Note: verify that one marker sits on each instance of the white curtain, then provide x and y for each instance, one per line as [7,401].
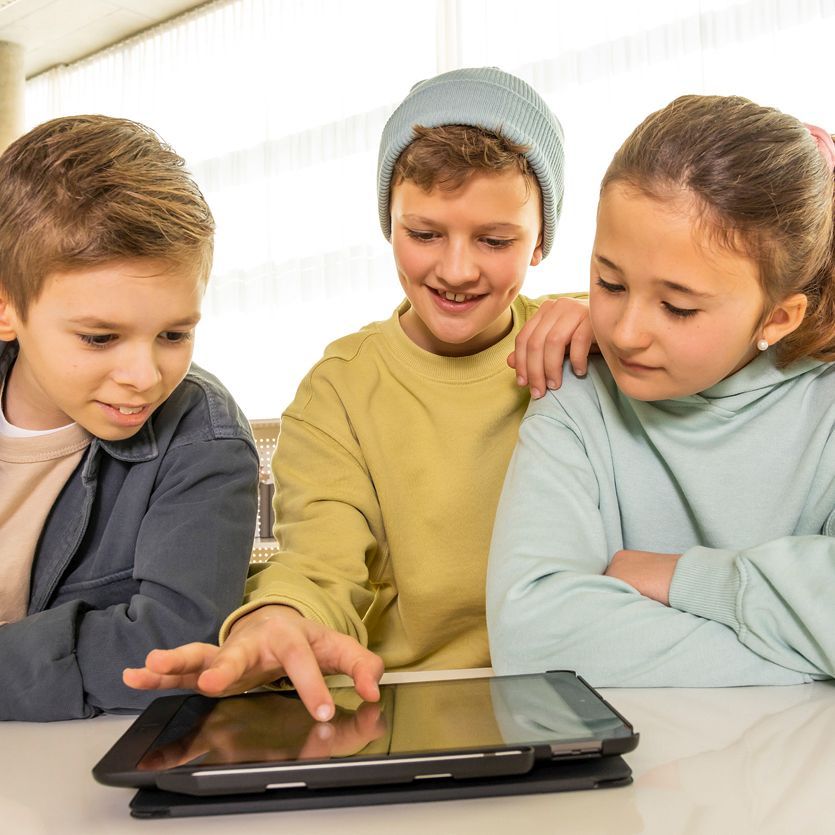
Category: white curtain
[277,106]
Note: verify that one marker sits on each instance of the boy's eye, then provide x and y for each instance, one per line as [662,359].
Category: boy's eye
[97,340]
[681,312]
[498,243]
[176,337]
[609,288]
[421,236]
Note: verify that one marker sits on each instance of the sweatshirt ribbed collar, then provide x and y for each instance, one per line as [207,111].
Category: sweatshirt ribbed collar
[469,369]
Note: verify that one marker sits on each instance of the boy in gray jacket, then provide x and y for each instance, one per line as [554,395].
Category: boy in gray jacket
[127,477]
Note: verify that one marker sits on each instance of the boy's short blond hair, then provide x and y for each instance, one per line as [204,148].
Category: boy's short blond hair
[81,191]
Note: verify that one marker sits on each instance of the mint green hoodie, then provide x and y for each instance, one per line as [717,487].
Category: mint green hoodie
[740,479]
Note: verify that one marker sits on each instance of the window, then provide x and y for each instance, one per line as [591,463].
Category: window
[277,106]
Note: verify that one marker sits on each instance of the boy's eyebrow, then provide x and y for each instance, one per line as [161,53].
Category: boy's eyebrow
[410,218]
[500,225]
[103,325]
[665,282]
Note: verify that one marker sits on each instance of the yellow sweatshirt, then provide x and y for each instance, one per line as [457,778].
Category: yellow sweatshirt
[387,473]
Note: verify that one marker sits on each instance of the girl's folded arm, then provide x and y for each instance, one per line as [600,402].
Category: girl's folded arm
[550,607]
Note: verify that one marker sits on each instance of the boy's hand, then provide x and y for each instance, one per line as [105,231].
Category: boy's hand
[541,344]
[264,645]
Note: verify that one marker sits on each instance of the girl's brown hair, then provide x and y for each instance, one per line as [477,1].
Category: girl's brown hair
[761,188]
[80,191]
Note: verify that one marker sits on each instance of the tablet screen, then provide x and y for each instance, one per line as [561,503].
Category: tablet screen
[412,718]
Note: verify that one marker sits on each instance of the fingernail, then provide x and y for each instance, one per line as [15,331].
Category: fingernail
[551,384]
[324,712]
[536,394]
[324,731]
[580,372]
[520,380]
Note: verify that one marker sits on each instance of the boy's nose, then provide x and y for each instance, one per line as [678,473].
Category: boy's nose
[457,266]
[138,369]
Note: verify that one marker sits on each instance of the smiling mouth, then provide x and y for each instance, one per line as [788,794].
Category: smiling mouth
[126,410]
[456,297]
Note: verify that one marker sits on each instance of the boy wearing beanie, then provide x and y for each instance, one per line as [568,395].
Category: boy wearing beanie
[392,455]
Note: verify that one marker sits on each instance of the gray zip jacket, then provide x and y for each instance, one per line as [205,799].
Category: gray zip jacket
[146,546]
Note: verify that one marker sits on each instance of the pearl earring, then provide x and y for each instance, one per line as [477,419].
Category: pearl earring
[762,344]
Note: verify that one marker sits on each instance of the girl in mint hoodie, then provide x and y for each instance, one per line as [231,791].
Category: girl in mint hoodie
[669,518]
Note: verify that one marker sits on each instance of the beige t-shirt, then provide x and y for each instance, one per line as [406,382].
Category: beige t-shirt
[34,467]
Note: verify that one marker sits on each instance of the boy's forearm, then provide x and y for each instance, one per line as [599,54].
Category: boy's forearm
[40,680]
[191,559]
[191,556]
[326,509]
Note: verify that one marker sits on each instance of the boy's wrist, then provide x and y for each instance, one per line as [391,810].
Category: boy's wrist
[264,613]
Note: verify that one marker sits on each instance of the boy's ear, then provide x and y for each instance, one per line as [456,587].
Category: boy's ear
[8,321]
[537,253]
[785,318]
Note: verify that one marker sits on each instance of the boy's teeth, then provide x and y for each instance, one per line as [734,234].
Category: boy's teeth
[127,410]
[457,297]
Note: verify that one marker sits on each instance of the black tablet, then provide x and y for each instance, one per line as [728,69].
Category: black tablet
[573,775]
[436,730]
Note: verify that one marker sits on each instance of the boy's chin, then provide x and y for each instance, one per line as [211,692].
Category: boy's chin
[105,432]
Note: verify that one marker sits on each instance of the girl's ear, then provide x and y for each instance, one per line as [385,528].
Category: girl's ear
[8,321]
[785,318]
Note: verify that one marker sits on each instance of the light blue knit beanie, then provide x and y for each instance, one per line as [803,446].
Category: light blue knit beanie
[487,98]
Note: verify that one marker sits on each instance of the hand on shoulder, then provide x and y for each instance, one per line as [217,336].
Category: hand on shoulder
[559,325]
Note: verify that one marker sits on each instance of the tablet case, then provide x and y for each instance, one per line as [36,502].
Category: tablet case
[597,773]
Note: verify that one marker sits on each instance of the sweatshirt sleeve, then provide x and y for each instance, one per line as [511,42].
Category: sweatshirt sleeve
[328,520]
[775,596]
[549,605]
[190,562]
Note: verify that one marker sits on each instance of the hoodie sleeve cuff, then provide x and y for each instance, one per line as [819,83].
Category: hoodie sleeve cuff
[706,583]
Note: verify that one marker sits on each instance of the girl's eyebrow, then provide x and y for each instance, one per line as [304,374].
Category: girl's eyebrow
[665,282]
[682,288]
[607,263]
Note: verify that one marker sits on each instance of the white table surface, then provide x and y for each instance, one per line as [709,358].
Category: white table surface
[740,760]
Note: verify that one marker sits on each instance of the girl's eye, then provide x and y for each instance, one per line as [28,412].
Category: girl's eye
[176,337]
[416,235]
[97,340]
[680,312]
[609,288]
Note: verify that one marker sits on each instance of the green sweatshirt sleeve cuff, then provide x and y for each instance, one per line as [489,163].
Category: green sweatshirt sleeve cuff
[265,600]
[706,583]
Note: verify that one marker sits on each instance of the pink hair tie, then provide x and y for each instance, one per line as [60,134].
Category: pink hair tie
[825,144]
